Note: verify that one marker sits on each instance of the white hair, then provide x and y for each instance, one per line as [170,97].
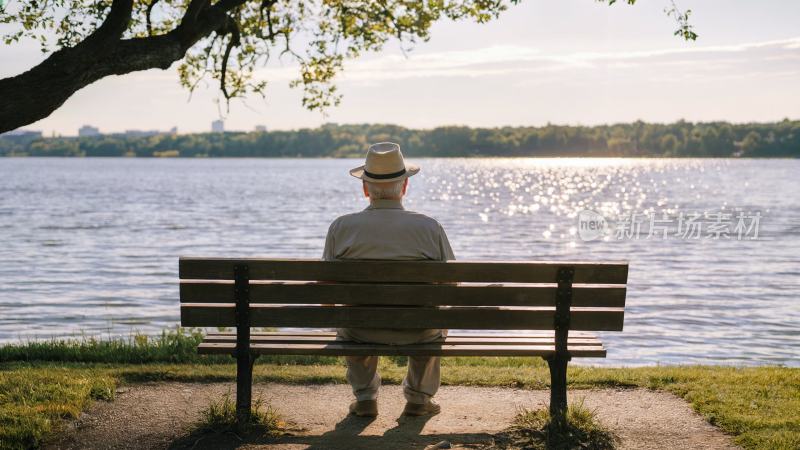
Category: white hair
[390,190]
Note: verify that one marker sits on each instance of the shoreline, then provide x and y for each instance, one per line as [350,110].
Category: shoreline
[137,347]
[159,347]
[679,138]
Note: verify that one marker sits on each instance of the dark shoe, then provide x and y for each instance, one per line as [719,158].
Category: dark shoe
[364,408]
[422,409]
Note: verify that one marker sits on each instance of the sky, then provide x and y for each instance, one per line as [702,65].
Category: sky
[543,61]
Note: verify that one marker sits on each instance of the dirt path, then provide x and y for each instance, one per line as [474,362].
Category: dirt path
[159,415]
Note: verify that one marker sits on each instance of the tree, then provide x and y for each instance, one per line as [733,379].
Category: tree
[751,144]
[783,140]
[669,144]
[221,40]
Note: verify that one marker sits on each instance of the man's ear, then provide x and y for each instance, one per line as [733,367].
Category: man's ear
[366,191]
[405,186]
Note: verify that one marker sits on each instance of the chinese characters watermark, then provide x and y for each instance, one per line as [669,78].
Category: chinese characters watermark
[738,225]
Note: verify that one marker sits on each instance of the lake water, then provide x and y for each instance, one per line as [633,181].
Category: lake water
[90,246]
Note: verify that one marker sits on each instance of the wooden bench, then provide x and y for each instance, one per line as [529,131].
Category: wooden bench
[458,295]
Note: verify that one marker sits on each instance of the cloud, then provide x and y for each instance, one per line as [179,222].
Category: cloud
[510,60]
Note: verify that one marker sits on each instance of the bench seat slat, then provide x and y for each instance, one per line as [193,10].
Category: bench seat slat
[447,340]
[486,318]
[357,349]
[451,333]
[403,271]
[473,294]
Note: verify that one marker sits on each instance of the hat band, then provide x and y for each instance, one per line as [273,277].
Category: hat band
[384,176]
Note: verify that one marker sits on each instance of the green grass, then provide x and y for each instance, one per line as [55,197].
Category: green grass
[220,416]
[171,346]
[33,401]
[219,419]
[43,383]
[534,429]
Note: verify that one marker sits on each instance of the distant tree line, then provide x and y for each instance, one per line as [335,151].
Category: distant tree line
[679,139]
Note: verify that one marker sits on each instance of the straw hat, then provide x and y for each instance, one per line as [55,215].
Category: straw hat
[384,164]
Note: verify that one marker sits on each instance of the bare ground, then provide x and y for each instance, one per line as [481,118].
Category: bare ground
[162,415]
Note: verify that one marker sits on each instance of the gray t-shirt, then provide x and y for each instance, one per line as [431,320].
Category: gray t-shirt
[385,230]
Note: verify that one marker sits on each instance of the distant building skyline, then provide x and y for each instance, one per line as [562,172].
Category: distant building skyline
[88,130]
[218,126]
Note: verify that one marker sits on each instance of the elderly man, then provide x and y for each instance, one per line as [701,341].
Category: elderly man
[385,230]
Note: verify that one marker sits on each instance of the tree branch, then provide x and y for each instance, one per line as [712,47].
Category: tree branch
[231,28]
[117,21]
[227,5]
[193,12]
[266,5]
[147,16]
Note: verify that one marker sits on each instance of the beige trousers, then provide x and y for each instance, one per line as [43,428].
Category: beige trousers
[422,379]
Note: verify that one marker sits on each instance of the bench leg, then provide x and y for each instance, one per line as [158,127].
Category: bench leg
[244,388]
[558,388]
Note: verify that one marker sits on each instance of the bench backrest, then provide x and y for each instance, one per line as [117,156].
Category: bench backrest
[527,295]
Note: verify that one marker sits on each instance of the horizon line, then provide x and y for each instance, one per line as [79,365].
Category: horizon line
[145,133]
